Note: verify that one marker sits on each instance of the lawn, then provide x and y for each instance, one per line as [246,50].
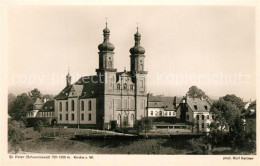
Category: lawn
[65,143]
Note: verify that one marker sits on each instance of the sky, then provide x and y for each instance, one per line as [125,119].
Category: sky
[212,47]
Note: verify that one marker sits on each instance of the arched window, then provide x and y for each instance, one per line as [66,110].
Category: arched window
[89,105]
[118,86]
[82,105]
[125,86]
[72,105]
[67,106]
[60,106]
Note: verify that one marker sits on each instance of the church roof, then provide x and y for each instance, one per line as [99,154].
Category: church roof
[64,93]
[85,87]
[91,86]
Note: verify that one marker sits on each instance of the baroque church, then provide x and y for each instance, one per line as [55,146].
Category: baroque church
[109,96]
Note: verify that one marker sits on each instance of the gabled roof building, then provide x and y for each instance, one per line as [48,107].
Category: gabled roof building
[195,111]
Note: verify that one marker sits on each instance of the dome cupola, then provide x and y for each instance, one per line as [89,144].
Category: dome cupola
[137,49]
[106,45]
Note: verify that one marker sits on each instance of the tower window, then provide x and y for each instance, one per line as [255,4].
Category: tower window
[141,66]
[109,64]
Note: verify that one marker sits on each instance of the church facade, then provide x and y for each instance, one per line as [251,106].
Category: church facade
[109,96]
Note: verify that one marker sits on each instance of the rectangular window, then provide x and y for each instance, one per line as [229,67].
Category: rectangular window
[206,107]
[151,112]
[195,106]
[207,116]
[67,117]
[202,117]
[60,116]
[82,116]
[72,116]
[89,117]
[202,125]
[198,117]
[170,114]
[207,125]
[67,106]
[187,117]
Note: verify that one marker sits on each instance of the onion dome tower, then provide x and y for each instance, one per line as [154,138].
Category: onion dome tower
[137,55]
[106,54]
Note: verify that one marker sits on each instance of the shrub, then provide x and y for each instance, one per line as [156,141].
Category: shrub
[197,146]
[15,134]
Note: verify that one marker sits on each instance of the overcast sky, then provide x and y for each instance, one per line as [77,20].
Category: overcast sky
[210,47]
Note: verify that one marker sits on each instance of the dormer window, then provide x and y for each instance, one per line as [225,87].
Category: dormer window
[206,107]
[195,106]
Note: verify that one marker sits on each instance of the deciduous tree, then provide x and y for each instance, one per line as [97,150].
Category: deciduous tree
[20,107]
[195,92]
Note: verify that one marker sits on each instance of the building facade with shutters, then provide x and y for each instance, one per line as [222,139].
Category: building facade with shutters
[109,96]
